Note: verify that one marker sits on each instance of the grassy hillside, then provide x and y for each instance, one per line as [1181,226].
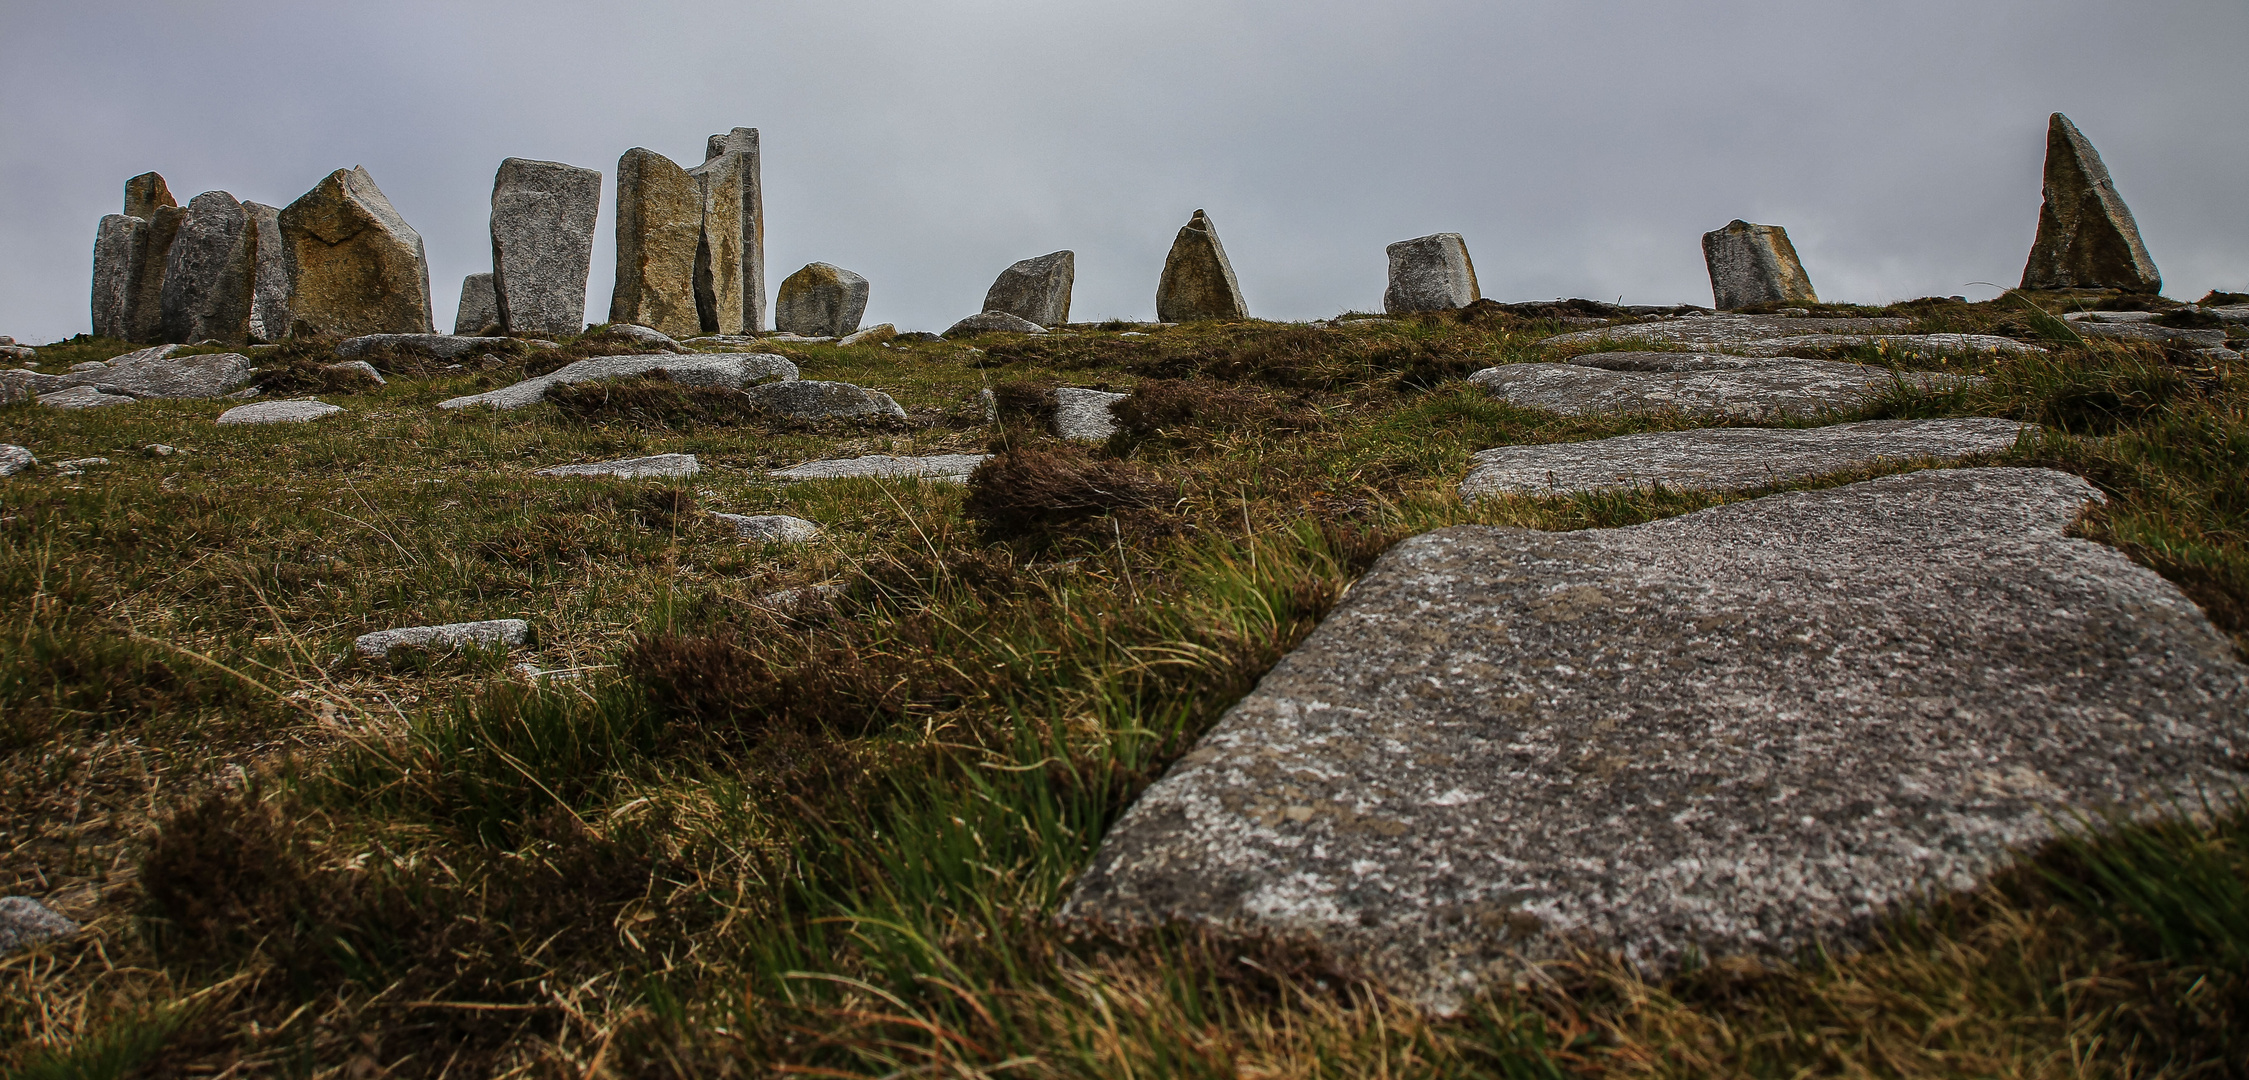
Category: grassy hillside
[751,827]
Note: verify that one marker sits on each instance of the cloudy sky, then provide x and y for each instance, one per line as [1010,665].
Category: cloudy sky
[1581,146]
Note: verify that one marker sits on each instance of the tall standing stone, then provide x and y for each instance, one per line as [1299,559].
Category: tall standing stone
[1036,289]
[355,266]
[542,244]
[2086,236]
[821,301]
[1198,282]
[117,252]
[479,312]
[1430,273]
[659,229]
[730,278]
[1754,264]
[210,273]
[144,304]
[145,193]
[269,294]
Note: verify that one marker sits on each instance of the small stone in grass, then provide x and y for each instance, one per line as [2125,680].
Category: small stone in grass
[658,465]
[24,921]
[771,528]
[15,459]
[488,633]
[279,412]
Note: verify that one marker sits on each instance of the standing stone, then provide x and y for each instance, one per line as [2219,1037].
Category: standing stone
[659,230]
[1198,282]
[117,252]
[144,304]
[1430,273]
[730,263]
[479,312]
[2086,236]
[269,292]
[210,273]
[1036,289]
[144,194]
[1754,264]
[355,266]
[821,301]
[542,245]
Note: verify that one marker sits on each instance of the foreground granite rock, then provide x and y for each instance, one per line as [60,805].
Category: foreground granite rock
[1745,730]
[24,921]
[355,266]
[489,633]
[1198,280]
[1036,290]
[479,310]
[945,468]
[2086,236]
[144,373]
[1699,384]
[820,300]
[1720,459]
[1754,264]
[719,369]
[812,399]
[640,468]
[1430,273]
[542,244]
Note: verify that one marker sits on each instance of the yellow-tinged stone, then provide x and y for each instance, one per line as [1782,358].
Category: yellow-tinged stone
[355,266]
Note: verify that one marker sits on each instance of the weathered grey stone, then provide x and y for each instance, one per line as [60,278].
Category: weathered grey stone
[157,449]
[659,230]
[83,397]
[15,459]
[644,335]
[993,322]
[639,468]
[873,335]
[269,284]
[1036,290]
[1924,346]
[78,466]
[156,374]
[117,250]
[1754,264]
[2142,331]
[294,411]
[1697,384]
[88,365]
[1719,459]
[771,528]
[355,266]
[1726,333]
[542,244]
[489,633]
[141,356]
[707,369]
[811,399]
[360,367]
[943,468]
[479,311]
[1748,729]
[210,273]
[821,301]
[1085,414]
[1430,273]
[439,346]
[2086,236]
[1198,281]
[730,280]
[145,194]
[144,303]
[24,921]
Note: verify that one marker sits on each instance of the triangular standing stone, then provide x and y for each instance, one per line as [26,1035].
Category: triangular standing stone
[1198,282]
[2086,236]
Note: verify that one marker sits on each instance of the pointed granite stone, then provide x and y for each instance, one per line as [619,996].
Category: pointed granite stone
[659,229]
[1037,290]
[210,273]
[730,273]
[1430,273]
[355,266]
[1198,282]
[479,312]
[269,291]
[144,194]
[821,301]
[2086,236]
[542,245]
[117,252]
[1754,264]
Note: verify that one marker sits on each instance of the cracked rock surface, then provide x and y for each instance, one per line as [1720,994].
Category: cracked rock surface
[1698,384]
[1727,458]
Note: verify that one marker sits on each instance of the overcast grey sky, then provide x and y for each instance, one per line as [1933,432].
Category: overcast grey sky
[1581,147]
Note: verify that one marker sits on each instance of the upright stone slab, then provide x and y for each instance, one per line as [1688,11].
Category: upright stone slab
[542,245]
[210,273]
[659,231]
[144,194]
[1754,264]
[144,304]
[1430,273]
[479,312]
[2086,236]
[117,252]
[1754,728]
[821,301]
[1037,290]
[355,266]
[730,269]
[269,293]
[1198,282]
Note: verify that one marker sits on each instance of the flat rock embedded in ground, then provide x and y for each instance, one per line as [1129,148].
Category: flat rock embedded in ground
[811,399]
[1728,458]
[1721,333]
[15,459]
[771,528]
[949,468]
[83,397]
[24,921]
[720,369]
[1748,729]
[1698,384]
[438,346]
[1085,414]
[488,633]
[659,465]
[294,411]
[993,322]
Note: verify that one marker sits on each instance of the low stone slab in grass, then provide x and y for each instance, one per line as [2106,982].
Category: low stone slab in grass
[948,468]
[488,633]
[1719,332]
[639,468]
[296,411]
[1747,729]
[83,397]
[771,528]
[723,369]
[438,346]
[1085,414]
[811,399]
[15,459]
[1719,459]
[24,921]
[1698,384]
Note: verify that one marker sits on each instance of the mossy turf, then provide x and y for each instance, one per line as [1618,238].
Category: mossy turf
[810,810]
